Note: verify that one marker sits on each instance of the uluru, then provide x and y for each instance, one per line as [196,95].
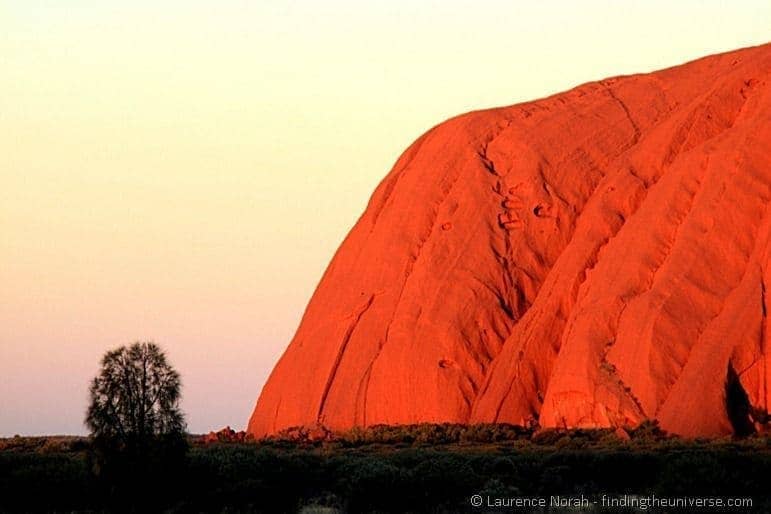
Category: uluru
[594,259]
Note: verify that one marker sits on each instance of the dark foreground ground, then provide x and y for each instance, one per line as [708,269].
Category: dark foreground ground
[427,468]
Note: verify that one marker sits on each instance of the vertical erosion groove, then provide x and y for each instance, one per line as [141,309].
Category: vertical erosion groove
[339,357]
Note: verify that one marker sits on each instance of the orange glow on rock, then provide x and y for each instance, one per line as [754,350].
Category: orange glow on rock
[607,263]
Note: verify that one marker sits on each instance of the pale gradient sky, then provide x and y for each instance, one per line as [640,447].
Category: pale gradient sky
[183,171]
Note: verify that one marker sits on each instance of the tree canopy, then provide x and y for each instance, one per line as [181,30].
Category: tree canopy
[136,395]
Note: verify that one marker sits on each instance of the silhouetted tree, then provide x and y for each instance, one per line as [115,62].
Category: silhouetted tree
[137,427]
[136,395]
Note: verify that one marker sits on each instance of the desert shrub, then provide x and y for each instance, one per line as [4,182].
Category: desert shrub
[282,477]
[648,432]
[38,482]
[547,437]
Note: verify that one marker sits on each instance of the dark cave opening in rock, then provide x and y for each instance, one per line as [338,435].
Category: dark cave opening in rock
[737,405]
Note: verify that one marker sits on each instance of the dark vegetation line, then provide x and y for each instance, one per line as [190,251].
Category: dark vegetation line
[417,468]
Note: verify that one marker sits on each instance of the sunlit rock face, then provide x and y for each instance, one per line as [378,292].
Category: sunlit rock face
[593,259]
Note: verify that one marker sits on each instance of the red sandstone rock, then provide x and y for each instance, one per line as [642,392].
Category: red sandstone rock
[622,434]
[593,259]
[226,435]
[311,432]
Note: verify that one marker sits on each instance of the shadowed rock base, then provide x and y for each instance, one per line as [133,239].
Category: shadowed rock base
[593,259]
